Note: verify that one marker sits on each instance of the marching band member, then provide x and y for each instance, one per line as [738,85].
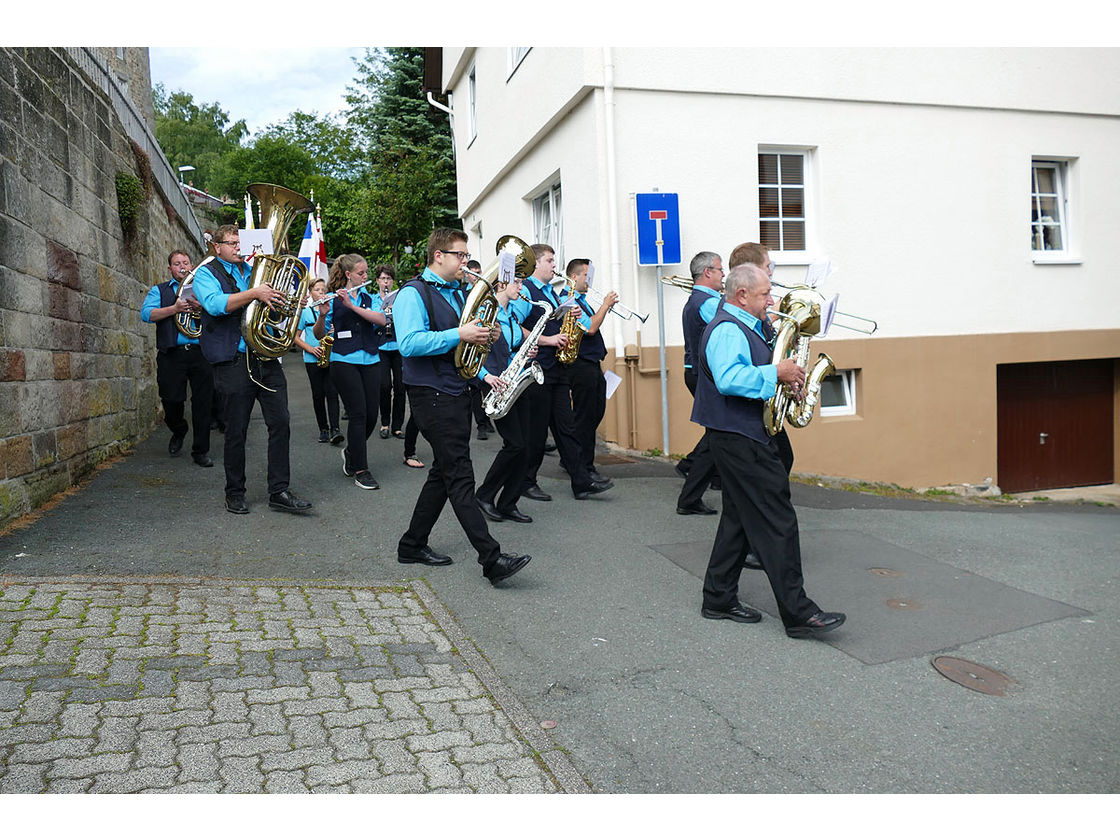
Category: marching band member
[485,427]
[550,404]
[179,361]
[735,377]
[392,386]
[427,312]
[324,396]
[222,287]
[504,478]
[589,388]
[706,269]
[355,368]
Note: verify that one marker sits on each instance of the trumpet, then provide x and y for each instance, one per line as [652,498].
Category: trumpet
[596,298]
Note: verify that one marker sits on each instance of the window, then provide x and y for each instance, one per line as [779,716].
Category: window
[472,88]
[548,224]
[782,179]
[1049,208]
[515,55]
[838,394]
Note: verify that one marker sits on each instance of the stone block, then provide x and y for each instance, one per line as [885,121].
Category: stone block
[62,266]
[22,249]
[13,366]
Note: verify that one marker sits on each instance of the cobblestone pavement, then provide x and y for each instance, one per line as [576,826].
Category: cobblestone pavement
[207,686]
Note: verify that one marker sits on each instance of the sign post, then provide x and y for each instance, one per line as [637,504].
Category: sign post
[659,243]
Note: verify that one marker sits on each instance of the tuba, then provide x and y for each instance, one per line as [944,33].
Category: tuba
[270,331]
[521,371]
[800,314]
[481,304]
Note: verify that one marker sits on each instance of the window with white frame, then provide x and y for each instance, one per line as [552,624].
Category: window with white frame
[548,226]
[515,56]
[838,394]
[1049,206]
[782,187]
[472,89]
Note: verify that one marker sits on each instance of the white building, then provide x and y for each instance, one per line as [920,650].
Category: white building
[968,199]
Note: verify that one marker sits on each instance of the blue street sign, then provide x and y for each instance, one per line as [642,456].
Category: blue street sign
[659,229]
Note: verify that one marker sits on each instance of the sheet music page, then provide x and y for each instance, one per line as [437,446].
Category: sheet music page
[507,267]
[260,238]
[828,314]
[613,381]
[590,274]
[817,272]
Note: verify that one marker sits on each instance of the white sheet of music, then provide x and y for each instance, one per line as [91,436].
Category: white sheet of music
[827,315]
[507,267]
[613,381]
[590,274]
[817,272]
[259,238]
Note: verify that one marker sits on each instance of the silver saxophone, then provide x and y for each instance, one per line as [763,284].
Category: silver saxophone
[520,371]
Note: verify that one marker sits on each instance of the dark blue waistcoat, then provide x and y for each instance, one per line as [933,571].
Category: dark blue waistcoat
[693,325]
[592,347]
[714,410]
[167,334]
[363,334]
[546,356]
[436,372]
[221,334]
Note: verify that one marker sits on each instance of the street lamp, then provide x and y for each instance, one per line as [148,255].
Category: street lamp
[182,169]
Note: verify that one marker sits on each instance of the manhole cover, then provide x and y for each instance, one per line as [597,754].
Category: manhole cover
[903,604]
[885,572]
[971,675]
[607,460]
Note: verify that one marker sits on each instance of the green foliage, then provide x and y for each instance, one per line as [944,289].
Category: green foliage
[195,135]
[130,199]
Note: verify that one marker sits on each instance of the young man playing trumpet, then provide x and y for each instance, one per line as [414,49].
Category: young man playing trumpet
[427,312]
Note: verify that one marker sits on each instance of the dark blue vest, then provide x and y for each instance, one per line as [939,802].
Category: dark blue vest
[693,324]
[714,410]
[221,334]
[436,372]
[546,356]
[363,334]
[167,334]
[592,347]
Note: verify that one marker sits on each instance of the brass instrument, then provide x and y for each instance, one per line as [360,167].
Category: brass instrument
[270,331]
[595,298]
[327,343]
[481,305]
[521,370]
[188,323]
[570,326]
[800,313]
[678,281]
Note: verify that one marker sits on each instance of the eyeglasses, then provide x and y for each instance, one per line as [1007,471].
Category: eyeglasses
[462,255]
[770,266]
[231,242]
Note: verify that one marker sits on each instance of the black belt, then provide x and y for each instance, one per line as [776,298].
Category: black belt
[179,347]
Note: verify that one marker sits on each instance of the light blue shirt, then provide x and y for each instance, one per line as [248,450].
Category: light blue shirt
[414,335]
[209,291]
[379,305]
[307,320]
[357,357]
[729,358]
[152,301]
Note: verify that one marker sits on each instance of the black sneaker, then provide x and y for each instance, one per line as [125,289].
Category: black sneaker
[346,465]
[337,437]
[324,436]
[366,481]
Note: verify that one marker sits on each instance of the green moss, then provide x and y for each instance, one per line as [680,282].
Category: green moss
[130,198]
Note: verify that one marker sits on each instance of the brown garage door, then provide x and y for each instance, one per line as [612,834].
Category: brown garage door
[1055,424]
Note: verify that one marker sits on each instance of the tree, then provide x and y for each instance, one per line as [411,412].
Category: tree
[195,135]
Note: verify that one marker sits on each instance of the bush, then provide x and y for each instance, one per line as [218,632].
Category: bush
[130,198]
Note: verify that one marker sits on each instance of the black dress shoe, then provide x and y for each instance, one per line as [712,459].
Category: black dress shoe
[597,477]
[699,508]
[236,504]
[425,556]
[715,483]
[516,516]
[490,511]
[384,433]
[752,561]
[175,445]
[483,434]
[288,503]
[535,492]
[507,565]
[737,612]
[681,471]
[324,436]
[821,622]
[594,489]
[202,459]
[549,448]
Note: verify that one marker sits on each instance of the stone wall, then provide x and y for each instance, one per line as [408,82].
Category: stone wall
[77,365]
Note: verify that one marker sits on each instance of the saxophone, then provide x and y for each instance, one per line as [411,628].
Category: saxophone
[571,327]
[800,312]
[520,370]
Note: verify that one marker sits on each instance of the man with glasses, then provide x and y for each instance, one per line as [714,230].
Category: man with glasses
[698,467]
[426,315]
[222,287]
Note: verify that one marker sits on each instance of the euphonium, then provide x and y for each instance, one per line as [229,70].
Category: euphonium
[571,327]
[270,331]
[520,372]
[800,313]
[481,305]
[187,323]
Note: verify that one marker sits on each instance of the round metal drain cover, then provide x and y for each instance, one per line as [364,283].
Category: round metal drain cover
[974,676]
[885,572]
[903,604]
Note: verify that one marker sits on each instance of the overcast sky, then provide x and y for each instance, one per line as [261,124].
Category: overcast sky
[265,85]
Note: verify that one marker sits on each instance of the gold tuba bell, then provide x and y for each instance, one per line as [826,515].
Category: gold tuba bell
[270,331]
[800,313]
[481,305]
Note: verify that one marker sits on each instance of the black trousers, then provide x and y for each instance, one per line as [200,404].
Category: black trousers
[411,431]
[503,483]
[756,502]
[324,396]
[175,368]
[392,390]
[359,388]
[480,418]
[240,392]
[589,405]
[445,422]
[550,407]
[699,463]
